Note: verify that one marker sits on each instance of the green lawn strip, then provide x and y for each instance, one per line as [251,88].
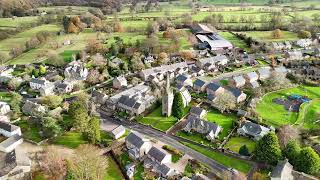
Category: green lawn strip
[113,171]
[225,121]
[124,159]
[275,114]
[29,131]
[70,140]
[235,143]
[225,160]
[312,115]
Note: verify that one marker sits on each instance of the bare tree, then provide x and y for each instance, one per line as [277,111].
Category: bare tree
[53,164]
[225,101]
[88,164]
[287,133]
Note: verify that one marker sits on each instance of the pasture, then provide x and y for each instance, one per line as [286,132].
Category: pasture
[265,36]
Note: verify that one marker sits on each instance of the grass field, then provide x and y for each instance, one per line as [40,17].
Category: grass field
[235,143]
[70,140]
[21,38]
[277,115]
[79,42]
[196,137]
[228,161]
[225,121]
[234,40]
[310,117]
[156,120]
[67,55]
[8,23]
[266,36]
[113,171]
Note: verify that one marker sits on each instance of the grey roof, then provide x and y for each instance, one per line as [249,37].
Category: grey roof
[196,110]
[252,128]
[135,139]
[199,83]
[211,97]
[11,140]
[236,92]
[118,129]
[157,153]
[7,162]
[239,79]
[253,75]
[163,169]
[213,86]
[205,126]
[282,170]
[38,81]
[182,78]
[264,71]
[8,127]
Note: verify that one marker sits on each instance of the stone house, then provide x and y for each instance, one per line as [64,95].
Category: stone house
[214,88]
[253,130]
[137,145]
[199,85]
[283,171]
[238,94]
[198,112]
[118,132]
[119,82]
[238,81]
[184,80]
[4,108]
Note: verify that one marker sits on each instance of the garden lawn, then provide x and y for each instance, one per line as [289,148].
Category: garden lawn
[225,121]
[266,36]
[234,40]
[5,96]
[225,160]
[196,137]
[29,131]
[124,159]
[275,114]
[139,169]
[113,171]
[235,143]
[70,140]
[156,120]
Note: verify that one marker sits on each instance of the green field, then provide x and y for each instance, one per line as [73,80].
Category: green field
[234,40]
[113,171]
[70,140]
[67,54]
[266,36]
[225,160]
[8,23]
[21,38]
[196,137]
[235,143]
[225,121]
[275,114]
[310,116]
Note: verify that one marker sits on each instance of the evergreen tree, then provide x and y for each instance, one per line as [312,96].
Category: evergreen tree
[93,131]
[177,106]
[268,149]
[244,150]
[79,114]
[308,161]
[292,151]
[50,127]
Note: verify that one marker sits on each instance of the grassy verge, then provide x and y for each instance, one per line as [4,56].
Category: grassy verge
[113,171]
[225,160]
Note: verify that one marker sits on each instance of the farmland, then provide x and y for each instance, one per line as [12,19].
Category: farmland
[266,36]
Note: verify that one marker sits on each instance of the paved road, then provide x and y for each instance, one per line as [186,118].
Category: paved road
[215,167]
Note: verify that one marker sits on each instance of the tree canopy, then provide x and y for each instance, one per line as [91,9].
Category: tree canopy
[268,149]
[177,106]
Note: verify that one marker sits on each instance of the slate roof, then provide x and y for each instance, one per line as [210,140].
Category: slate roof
[136,139]
[196,110]
[118,130]
[203,126]
[157,153]
[213,86]
[163,169]
[199,83]
[253,128]
[8,127]
[264,72]
[38,81]
[255,84]
[236,92]
[252,75]
[283,170]
[182,78]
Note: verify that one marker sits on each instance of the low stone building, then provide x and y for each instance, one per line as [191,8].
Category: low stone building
[253,130]
[283,171]
[137,145]
[119,82]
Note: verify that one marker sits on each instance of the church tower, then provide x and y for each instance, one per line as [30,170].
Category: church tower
[167,99]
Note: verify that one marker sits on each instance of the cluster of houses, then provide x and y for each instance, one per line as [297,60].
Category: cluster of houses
[305,69]
[154,157]
[14,163]
[74,72]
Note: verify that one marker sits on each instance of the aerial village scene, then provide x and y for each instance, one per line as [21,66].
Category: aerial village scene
[159,89]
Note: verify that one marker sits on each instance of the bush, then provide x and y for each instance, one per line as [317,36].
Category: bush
[244,150]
